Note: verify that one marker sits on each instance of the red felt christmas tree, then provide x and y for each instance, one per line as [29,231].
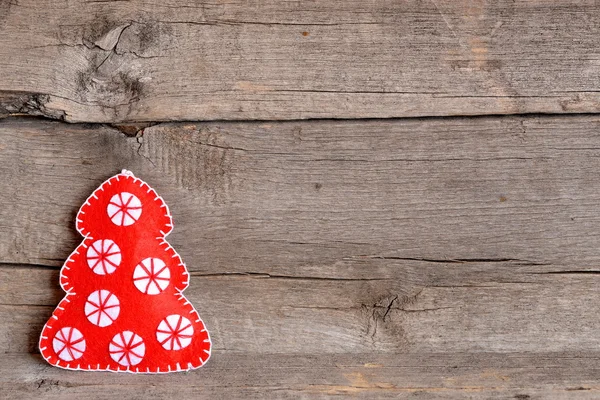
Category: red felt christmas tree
[124,310]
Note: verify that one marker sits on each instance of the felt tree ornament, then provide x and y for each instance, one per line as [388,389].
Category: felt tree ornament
[124,309]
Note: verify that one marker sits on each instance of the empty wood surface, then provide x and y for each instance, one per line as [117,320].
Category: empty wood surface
[416,258]
[104,61]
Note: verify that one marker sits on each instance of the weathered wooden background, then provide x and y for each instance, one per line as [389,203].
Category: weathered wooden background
[375,199]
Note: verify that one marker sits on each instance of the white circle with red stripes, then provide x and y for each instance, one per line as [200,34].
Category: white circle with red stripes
[68,344]
[127,348]
[103,256]
[175,332]
[124,209]
[151,276]
[102,308]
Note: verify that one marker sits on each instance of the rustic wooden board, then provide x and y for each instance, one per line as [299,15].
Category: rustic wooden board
[451,258]
[531,312]
[531,376]
[279,60]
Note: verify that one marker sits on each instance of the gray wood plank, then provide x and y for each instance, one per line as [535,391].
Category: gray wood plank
[531,376]
[444,312]
[309,198]
[171,60]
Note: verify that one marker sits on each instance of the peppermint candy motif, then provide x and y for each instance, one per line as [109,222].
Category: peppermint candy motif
[68,344]
[127,348]
[151,276]
[102,308]
[175,332]
[124,209]
[103,256]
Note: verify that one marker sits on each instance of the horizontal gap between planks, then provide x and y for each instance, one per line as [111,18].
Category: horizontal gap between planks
[115,125]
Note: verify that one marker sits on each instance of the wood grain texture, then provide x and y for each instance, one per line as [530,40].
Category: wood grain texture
[363,376]
[140,60]
[439,258]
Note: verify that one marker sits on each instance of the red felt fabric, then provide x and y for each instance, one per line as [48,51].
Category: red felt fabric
[122,283]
